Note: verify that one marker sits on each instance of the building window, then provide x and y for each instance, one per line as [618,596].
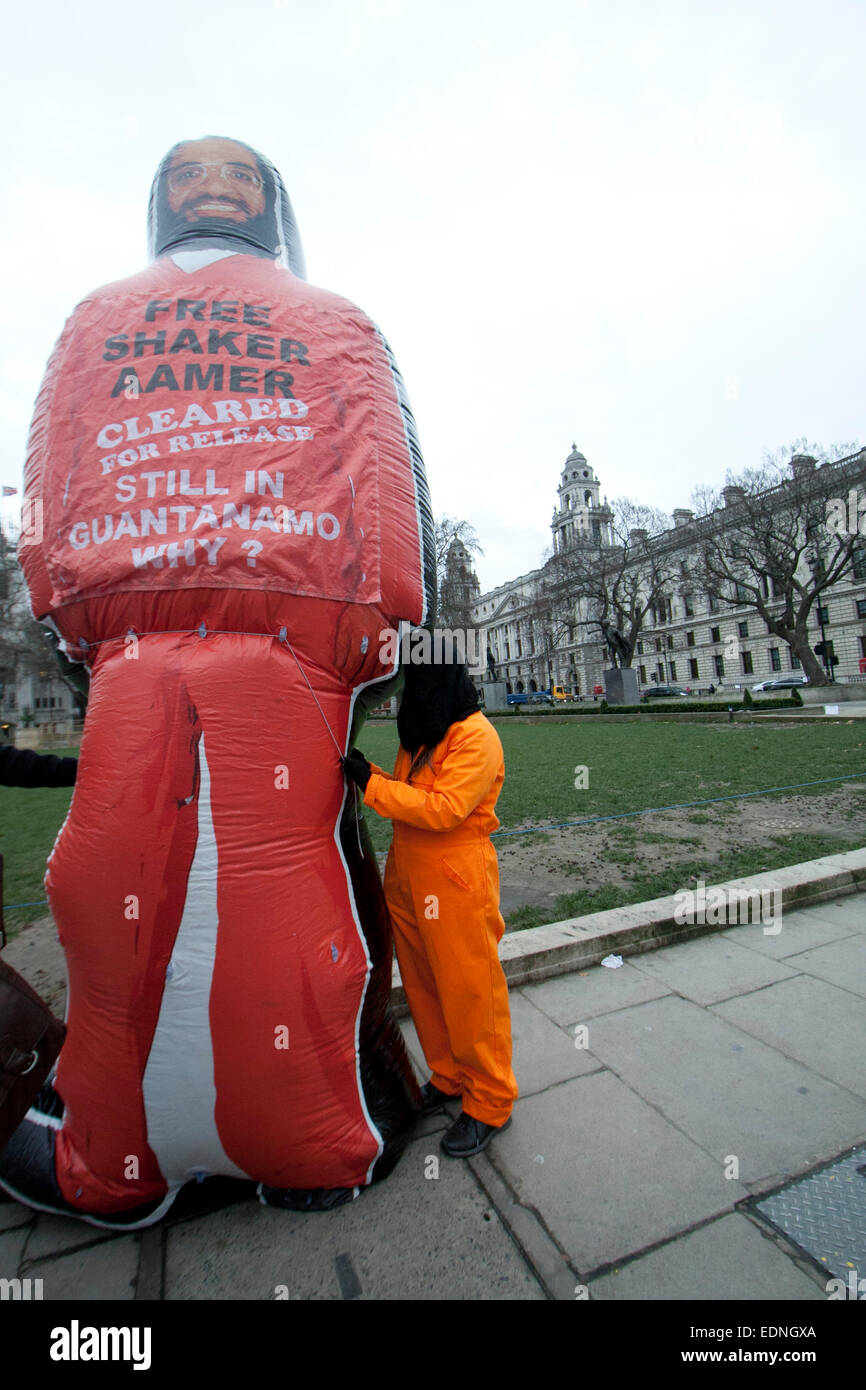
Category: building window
[670,644]
[863,646]
[743,629]
[861,608]
[859,567]
[659,645]
[640,644]
[715,634]
[713,602]
[642,670]
[719,663]
[688,604]
[741,592]
[660,672]
[673,666]
[693,668]
[690,639]
[747,663]
[796,663]
[775,659]
[823,615]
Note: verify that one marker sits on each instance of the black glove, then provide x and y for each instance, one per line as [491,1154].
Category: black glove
[357,767]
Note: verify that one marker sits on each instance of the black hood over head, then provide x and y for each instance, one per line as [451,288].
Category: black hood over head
[271,233]
[436,695]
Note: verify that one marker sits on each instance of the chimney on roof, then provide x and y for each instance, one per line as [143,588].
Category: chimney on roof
[733,495]
[801,464]
[682,516]
[637,535]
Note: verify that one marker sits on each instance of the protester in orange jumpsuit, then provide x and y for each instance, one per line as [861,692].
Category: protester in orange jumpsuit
[442,890]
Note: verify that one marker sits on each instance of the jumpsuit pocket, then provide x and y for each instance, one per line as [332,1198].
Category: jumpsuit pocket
[470,875]
[455,876]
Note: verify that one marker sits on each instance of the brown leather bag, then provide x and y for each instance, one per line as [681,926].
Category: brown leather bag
[30,1039]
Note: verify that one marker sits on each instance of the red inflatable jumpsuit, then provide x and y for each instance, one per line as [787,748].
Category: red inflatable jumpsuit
[442,890]
[231,506]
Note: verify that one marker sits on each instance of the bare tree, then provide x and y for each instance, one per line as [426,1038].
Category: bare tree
[26,647]
[616,584]
[765,543]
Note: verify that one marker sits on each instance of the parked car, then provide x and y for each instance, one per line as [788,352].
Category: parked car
[783,683]
[653,691]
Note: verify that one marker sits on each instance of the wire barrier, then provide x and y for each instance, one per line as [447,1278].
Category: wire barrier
[619,815]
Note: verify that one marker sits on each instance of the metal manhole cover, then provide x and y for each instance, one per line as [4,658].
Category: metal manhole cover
[825,1214]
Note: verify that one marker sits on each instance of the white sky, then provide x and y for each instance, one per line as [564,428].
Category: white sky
[639,226]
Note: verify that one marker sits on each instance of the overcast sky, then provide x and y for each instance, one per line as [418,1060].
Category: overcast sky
[636,224]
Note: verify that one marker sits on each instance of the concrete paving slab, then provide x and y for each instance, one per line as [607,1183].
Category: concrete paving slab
[14,1214]
[850,911]
[12,1245]
[105,1271]
[605,1171]
[712,968]
[415,1050]
[543,1254]
[584,994]
[56,1234]
[544,1054]
[799,932]
[729,1092]
[842,963]
[729,1260]
[816,1023]
[411,1237]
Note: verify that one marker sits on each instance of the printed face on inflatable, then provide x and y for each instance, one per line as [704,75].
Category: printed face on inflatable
[221,192]
[214,178]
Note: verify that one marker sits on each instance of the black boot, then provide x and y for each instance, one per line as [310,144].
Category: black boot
[468,1136]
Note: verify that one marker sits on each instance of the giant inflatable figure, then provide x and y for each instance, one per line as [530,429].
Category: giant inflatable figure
[233,509]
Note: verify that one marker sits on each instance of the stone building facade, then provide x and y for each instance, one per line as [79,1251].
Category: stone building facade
[692,638]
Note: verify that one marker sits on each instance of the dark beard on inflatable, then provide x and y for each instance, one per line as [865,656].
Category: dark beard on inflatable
[272,233]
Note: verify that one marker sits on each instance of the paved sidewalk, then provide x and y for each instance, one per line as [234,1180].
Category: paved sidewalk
[657,1099]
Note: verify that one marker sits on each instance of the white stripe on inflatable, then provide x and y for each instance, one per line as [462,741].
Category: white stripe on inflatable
[197,260]
[178,1088]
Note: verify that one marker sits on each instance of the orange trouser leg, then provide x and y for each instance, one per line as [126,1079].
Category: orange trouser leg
[447,929]
[420,985]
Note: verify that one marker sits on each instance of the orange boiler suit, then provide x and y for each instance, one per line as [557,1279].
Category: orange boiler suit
[442,890]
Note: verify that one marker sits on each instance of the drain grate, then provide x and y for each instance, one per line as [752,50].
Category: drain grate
[825,1214]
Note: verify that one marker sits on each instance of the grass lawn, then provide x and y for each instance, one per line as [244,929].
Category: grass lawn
[636,765]
[632,765]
